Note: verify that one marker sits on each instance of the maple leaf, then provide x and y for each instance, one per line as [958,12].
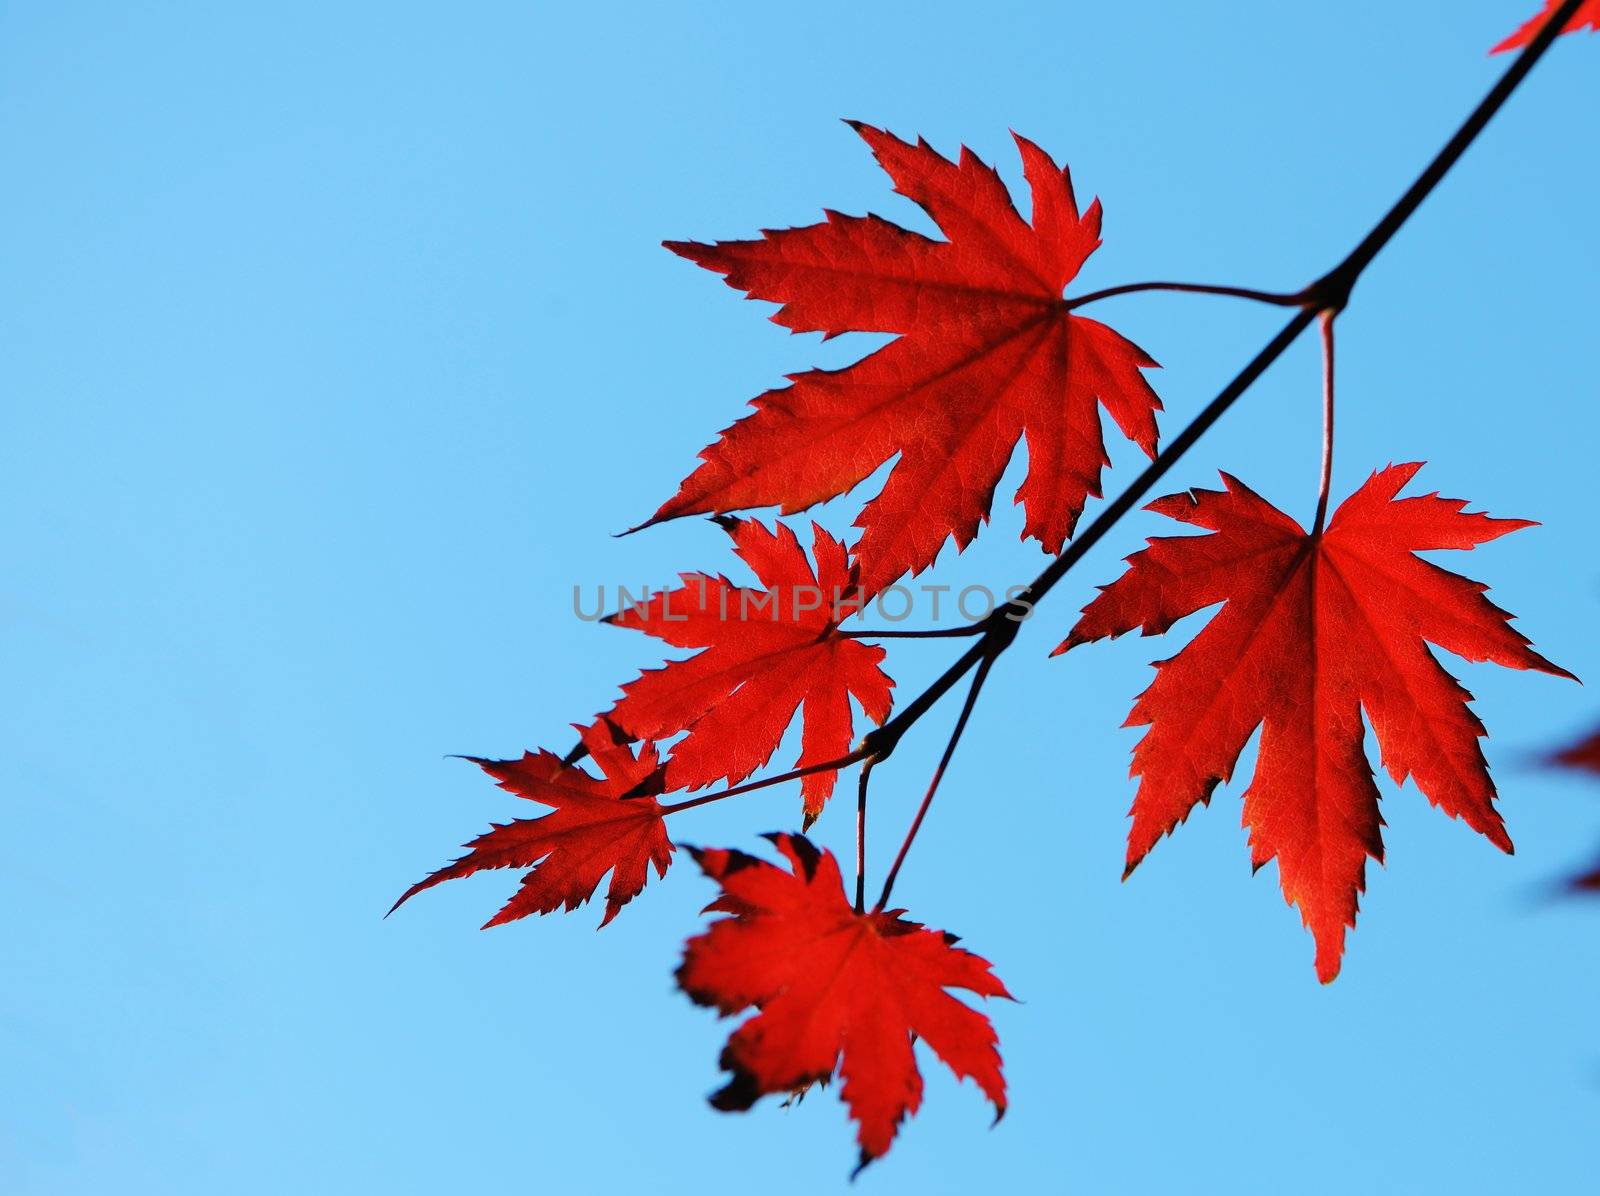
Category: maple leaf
[987,352]
[766,654]
[1587,15]
[1313,630]
[594,827]
[835,990]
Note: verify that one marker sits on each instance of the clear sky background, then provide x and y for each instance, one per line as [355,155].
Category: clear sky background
[336,339]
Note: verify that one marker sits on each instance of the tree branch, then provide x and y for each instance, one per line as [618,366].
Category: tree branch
[1321,300]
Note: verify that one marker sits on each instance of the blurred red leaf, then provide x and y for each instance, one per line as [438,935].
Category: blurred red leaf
[1584,754]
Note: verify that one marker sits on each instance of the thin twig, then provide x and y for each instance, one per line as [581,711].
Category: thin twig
[1383,232]
[1331,292]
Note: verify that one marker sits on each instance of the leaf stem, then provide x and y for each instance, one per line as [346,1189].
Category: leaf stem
[795,774]
[919,634]
[861,837]
[1275,298]
[978,679]
[1326,319]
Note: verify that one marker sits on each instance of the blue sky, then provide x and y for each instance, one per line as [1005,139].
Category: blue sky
[337,340]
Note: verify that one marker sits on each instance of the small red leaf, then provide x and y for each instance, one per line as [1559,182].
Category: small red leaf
[767,653]
[1313,630]
[593,828]
[836,991]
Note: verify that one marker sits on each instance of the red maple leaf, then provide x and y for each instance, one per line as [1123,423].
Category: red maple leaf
[1587,15]
[594,827]
[1313,630]
[987,352]
[836,990]
[766,654]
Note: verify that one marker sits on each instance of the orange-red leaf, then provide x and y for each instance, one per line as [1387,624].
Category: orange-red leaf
[766,653]
[987,352]
[1587,16]
[1313,631]
[836,990]
[593,828]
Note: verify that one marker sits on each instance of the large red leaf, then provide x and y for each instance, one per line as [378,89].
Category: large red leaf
[593,828]
[836,990]
[1587,16]
[1313,631]
[987,352]
[766,654]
